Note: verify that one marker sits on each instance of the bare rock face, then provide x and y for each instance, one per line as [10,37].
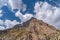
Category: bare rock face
[33,29]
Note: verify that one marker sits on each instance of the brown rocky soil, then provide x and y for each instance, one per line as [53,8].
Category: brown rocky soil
[33,29]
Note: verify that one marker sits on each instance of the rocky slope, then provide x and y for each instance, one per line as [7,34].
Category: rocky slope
[33,29]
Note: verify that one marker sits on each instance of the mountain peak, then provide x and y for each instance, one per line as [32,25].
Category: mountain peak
[33,18]
[33,29]
[32,21]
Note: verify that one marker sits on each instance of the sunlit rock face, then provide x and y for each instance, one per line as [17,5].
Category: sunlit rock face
[32,20]
[33,29]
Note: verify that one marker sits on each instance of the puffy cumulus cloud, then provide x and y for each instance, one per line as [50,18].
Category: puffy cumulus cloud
[47,13]
[3,2]
[10,23]
[17,4]
[7,24]
[43,10]
[2,27]
[22,17]
[13,4]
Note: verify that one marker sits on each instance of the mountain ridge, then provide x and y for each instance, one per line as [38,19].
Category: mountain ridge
[33,29]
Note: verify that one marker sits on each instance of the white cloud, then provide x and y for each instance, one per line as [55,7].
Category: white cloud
[7,24]
[13,4]
[0,11]
[2,28]
[43,10]
[47,13]
[1,14]
[1,22]
[22,17]
[3,2]
[10,24]
[17,4]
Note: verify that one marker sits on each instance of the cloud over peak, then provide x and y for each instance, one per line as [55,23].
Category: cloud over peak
[22,17]
[47,13]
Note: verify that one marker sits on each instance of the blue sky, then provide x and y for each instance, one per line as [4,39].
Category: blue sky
[8,14]
[22,10]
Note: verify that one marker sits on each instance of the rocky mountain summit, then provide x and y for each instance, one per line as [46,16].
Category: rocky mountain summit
[33,29]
